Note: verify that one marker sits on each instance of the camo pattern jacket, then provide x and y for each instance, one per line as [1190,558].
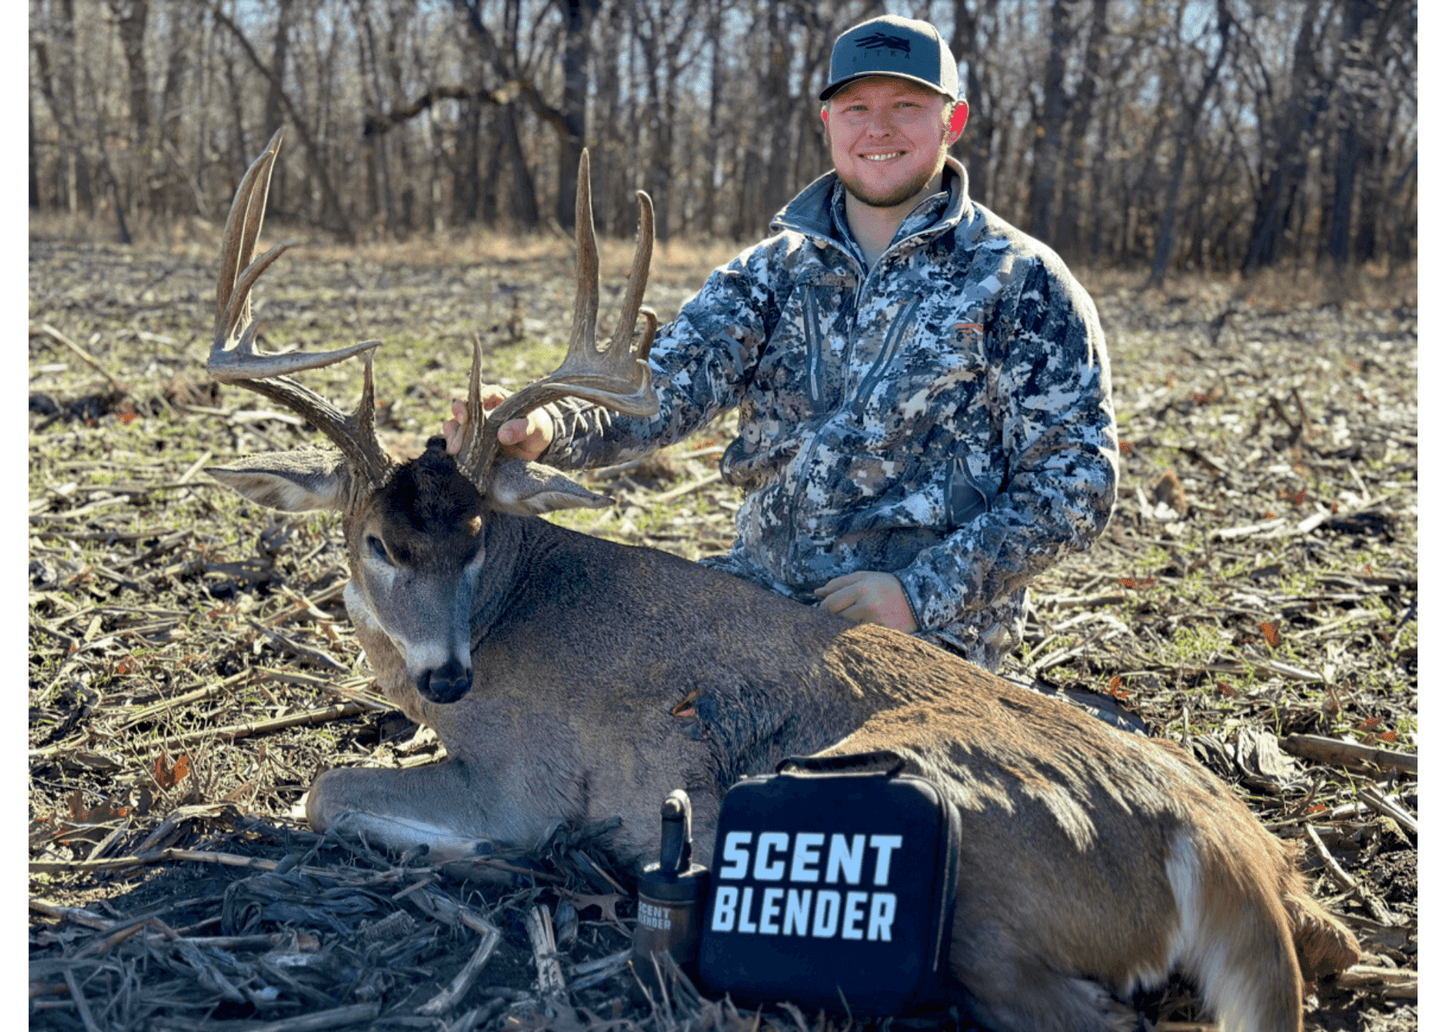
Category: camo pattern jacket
[944,416]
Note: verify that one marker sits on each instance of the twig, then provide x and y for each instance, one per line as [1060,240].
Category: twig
[261,727]
[75,994]
[1293,673]
[1084,601]
[303,651]
[550,984]
[1230,533]
[355,1014]
[1391,809]
[45,329]
[80,917]
[102,946]
[1337,872]
[678,492]
[448,997]
[1331,750]
[1399,983]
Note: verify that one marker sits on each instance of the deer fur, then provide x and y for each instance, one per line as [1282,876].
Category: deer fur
[579,679]
[1095,862]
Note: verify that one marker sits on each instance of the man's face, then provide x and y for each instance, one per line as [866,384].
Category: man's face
[887,139]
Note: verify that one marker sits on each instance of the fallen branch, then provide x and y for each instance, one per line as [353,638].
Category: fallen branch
[1332,750]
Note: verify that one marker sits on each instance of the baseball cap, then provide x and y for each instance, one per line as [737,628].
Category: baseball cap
[890,45]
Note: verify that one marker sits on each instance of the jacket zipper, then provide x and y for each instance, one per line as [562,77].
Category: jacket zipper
[901,324]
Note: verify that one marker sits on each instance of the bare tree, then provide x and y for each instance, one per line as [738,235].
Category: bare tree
[1190,110]
[1129,133]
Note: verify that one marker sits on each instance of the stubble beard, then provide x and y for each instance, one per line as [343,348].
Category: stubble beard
[900,194]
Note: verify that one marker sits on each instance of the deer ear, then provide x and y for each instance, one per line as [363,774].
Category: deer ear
[294,481]
[529,489]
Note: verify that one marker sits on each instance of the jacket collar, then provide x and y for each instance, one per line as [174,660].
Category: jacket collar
[811,212]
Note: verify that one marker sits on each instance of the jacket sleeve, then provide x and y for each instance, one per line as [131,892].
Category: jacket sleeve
[701,362]
[1056,417]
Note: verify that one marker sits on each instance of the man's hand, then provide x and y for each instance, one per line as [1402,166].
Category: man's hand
[868,597]
[524,438]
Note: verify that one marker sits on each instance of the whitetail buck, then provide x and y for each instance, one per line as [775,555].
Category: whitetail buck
[574,678]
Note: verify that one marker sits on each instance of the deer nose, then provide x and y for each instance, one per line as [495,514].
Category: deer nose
[446,684]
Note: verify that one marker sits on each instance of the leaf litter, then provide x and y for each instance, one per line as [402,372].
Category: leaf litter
[192,670]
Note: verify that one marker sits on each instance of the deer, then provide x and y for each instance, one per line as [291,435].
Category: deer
[573,678]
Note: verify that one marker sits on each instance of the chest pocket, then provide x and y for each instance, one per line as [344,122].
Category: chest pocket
[804,372]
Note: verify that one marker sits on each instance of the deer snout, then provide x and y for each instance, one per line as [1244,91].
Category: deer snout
[446,683]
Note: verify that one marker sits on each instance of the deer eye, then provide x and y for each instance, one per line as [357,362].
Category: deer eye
[377,548]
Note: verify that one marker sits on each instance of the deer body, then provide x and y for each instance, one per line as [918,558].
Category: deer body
[574,678]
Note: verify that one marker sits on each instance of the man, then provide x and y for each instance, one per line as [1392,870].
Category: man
[923,391]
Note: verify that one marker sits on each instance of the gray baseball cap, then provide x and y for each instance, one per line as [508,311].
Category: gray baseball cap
[890,45]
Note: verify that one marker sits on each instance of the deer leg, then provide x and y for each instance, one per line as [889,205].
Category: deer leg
[1009,991]
[433,806]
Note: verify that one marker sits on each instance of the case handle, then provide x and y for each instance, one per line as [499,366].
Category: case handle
[848,761]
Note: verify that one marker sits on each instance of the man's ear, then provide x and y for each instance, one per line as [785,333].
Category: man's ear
[957,121]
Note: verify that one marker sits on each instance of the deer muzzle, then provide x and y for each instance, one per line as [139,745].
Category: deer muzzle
[446,683]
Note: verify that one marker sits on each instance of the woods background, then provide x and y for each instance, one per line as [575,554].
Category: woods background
[1202,135]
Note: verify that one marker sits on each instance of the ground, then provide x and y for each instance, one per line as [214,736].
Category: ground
[191,668]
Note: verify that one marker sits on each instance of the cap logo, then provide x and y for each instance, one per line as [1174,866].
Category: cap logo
[882,40]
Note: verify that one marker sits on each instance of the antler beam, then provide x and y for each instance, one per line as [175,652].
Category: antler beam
[615,377]
[234,358]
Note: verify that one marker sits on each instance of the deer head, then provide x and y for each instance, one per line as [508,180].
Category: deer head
[416,530]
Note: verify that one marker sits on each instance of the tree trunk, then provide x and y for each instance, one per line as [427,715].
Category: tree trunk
[978,139]
[279,50]
[1050,133]
[1356,110]
[577,18]
[524,188]
[1076,168]
[776,188]
[708,211]
[1164,244]
[130,22]
[33,173]
[1284,167]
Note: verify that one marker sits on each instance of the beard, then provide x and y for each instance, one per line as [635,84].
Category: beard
[909,189]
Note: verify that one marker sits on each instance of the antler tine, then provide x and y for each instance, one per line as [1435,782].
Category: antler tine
[616,377]
[472,430]
[637,279]
[589,283]
[234,358]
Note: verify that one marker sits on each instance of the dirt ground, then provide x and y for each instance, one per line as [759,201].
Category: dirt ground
[191,667]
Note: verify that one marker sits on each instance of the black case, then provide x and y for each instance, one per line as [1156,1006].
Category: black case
[832,883]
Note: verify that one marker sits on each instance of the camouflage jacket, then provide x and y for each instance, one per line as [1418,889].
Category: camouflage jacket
[944,416]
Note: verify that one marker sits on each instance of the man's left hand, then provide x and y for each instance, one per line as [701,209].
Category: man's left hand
[868,597]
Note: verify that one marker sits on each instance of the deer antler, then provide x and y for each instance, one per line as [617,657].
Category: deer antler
[614,377]
[234,358]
